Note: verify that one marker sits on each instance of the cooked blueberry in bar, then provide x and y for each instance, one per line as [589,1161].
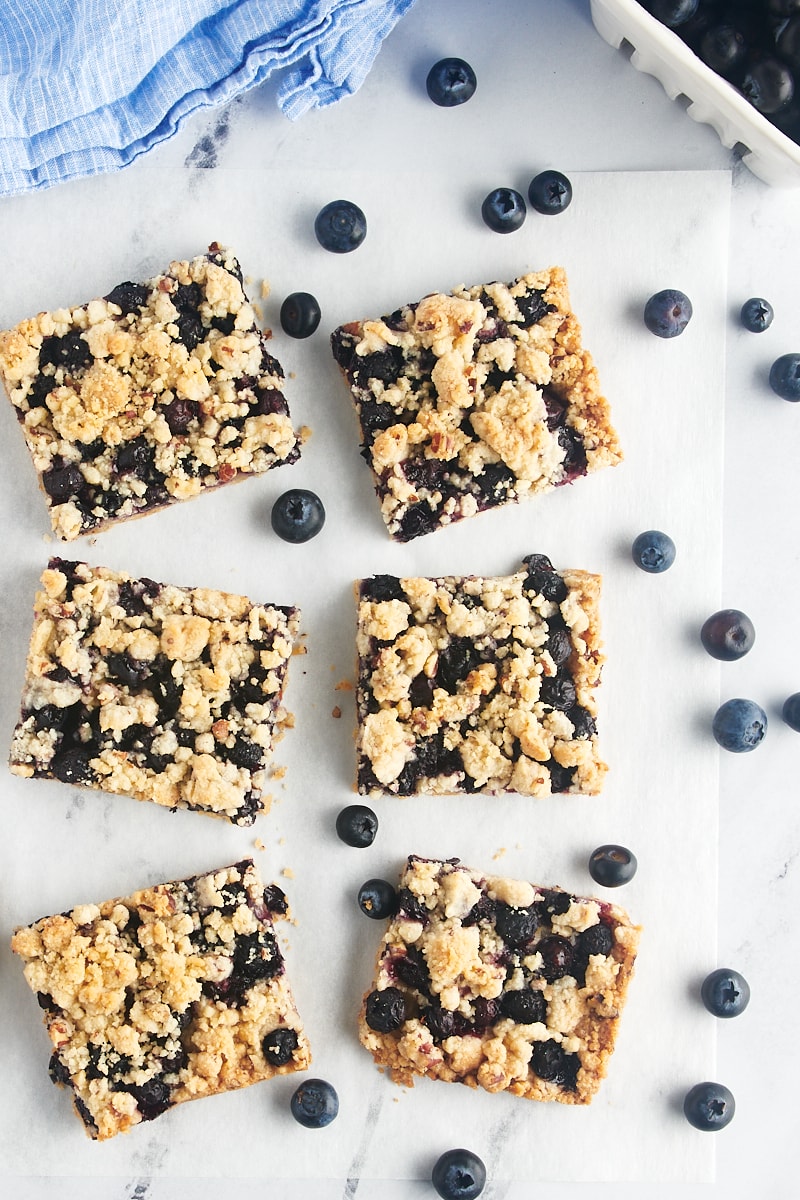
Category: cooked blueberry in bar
[150,395]
[176,992]
[159,692]
[498,983]
[474,399]
[470,684]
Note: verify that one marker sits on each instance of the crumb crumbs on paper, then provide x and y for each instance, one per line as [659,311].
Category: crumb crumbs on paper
[499,853]
[287,873]
[259,845]
[336,711]
[304,433]
[344,685]
[265,289]
[277,773]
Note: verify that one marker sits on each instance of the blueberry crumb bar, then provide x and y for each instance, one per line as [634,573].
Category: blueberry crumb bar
[174,993]
[152,394]
[159,692]
[499,984]
[471,684]
[474,399]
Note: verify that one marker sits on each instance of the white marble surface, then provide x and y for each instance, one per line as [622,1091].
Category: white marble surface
[545,74]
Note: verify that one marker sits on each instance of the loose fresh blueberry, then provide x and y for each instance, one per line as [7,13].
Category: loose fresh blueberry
[667,313]
[768,85]
[723,48]
[709,1106]
[728,634]
[725,993]
[377,899]
[300,314]
[784,377]
[672,13]
[503,210]
[791,711]
[298,515]
[340,227]
[357,825]
[757,314]
[450,82]
[653,551]
[612,866]
[315,1104]
[385,1010]
[459,1175]
[550,192]
[739,725]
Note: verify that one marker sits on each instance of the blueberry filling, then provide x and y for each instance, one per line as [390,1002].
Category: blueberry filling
[455,663]
[556,955]
[58,1072]
[412,970]
[516,926]
[444,1024]
[73,766]
[40,389]
[558,691]
[385,1010]
[279,1046]
[179,415]
[409,907]
[63,483]
[560,777]
[274,900]
[381,588]
[128,296]
[582,722]
[524,1006]
[597,939]
[243,753]
[531,306]
[496,482]
[417,520]
[84,1114]
[555,1065]
[575,461]
[152,1097]
[376,417]
[70,352]
[225,325]
[256,956]
[483,911]
[543,579]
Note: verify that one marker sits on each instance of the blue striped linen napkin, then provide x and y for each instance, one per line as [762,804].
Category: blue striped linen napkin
[88,85]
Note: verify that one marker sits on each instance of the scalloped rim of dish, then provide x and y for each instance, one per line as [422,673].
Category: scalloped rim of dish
[658,51]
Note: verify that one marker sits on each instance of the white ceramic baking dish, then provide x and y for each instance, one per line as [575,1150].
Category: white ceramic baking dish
[658,51]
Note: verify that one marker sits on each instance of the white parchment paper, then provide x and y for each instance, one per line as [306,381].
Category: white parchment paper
[624,237]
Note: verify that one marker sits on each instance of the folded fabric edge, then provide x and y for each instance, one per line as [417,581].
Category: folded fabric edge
[338,59]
